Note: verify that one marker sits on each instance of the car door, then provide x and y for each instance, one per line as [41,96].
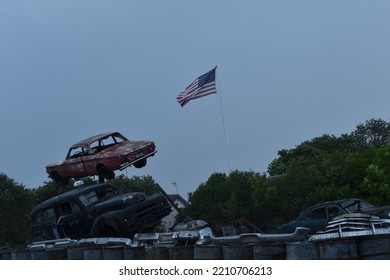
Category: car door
[44,225]
[317,219]
[91,159]
[333,211]
[73,166]
[71,219]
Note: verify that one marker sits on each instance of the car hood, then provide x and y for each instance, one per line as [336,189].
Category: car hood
[381,211]
[117,202]
[54,164]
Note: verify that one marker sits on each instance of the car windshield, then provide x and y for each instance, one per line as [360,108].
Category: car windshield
[356,205]
[97,195]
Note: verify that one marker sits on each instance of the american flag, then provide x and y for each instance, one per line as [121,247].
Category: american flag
[202,86]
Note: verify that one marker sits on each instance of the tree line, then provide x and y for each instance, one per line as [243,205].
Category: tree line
[327,167]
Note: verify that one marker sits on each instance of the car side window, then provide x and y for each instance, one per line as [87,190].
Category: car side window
[68,208]
[319,213]
[75,152]
[48,215]
[95,147]
[105,193]
[109,141]
[88,198]
[333,211]
[36,220]
[101,144]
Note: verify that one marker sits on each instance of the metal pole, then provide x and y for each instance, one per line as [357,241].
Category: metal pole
[224,125]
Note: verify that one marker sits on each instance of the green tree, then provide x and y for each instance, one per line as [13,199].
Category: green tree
[266,202]
[239,186]
[314,150]
[206,201]
[376,182]
[15,207]
[373,133]
[223,199]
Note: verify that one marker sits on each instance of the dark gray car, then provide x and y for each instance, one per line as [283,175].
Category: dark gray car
[97,210]
[317,216]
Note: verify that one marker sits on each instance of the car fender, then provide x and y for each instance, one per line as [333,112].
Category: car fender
[107,219]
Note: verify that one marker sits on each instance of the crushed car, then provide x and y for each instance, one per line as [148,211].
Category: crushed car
[101,155]
[316,217]
[96,211]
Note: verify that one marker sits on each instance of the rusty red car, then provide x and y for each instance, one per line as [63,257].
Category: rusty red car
[101,155]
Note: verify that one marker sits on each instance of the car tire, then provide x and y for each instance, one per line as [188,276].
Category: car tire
[141,163]
[105,172]
[59,180]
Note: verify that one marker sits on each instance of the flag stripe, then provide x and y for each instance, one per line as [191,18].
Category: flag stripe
[196,93]
[190,89]
[205,91]
[202,86]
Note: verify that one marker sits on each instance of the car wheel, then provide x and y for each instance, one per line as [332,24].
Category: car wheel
[59,180]
[141,163]
[105,172]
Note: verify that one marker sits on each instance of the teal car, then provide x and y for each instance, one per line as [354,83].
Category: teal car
[316,217]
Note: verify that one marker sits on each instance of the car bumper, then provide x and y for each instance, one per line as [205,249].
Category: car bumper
[141,157]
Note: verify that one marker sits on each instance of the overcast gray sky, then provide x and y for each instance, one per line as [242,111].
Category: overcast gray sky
[288,71]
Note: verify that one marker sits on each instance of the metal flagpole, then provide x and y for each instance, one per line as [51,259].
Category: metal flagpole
[223,122]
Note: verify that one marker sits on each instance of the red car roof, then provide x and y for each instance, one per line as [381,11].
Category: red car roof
[89,140]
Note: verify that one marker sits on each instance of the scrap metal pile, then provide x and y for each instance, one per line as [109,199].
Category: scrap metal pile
[352,236]
[182,237]
[205,236]
[353,225]
[197,233]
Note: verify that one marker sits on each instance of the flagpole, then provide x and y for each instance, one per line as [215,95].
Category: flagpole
[223,122]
